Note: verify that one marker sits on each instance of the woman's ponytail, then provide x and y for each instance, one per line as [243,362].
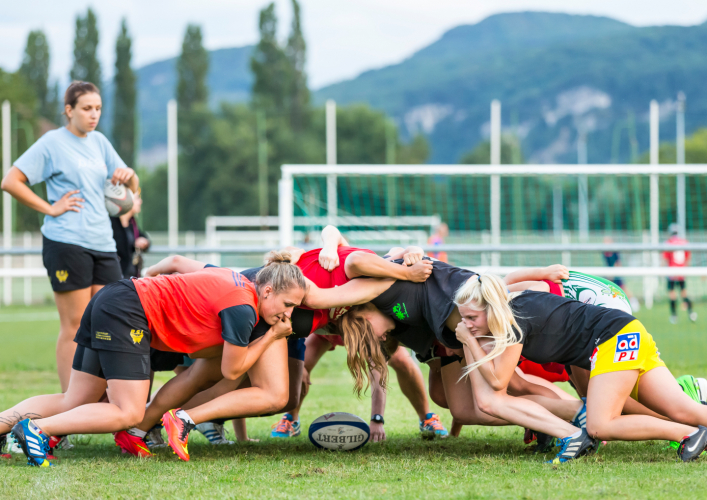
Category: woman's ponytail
[489,293]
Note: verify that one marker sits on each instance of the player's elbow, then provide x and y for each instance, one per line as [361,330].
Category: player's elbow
[230,374]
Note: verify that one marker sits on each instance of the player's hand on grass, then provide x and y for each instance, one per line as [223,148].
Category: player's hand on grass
[282,329]
[556,273]
[67,203]
[420,271]
[377,432]
[329,258]
[122,175]
[413,255]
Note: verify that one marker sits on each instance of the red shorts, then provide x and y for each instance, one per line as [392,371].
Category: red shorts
[552,372]
[334,340]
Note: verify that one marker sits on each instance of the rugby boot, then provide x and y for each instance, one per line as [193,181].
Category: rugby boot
[574,447]
[580,420]
[3,442]
[131,444]
[545,442]
[34,443]
[214,432]
[692,446]
[432,426]
[286,427]
[154,438]
[177,430]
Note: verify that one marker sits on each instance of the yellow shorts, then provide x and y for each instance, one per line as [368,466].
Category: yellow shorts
[633,348]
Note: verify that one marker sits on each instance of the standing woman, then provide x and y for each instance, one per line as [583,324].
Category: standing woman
[78,247]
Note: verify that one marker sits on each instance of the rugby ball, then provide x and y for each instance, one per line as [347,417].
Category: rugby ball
[119,199]
[339,431]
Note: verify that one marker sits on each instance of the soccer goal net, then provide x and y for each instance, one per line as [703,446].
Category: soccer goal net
[501,217]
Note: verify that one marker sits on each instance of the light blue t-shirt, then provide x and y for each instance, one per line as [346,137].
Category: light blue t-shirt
[67,162]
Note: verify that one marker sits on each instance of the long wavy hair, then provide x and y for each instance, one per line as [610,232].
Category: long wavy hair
[363,349]
[489,293]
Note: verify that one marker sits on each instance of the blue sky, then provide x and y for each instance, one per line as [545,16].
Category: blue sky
[344,37]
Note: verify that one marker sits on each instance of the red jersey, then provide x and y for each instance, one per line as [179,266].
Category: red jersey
[182,310]
[309,264]
[678,258]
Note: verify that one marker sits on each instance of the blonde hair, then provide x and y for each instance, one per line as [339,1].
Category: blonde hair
[489,293]
[363,349]
[279,273]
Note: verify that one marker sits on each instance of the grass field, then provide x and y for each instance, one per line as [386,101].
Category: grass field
[483,463]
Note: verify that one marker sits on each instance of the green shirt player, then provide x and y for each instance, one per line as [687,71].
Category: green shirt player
[595,291]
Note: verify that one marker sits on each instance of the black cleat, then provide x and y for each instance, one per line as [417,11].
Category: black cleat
[692,446]
[545,442]
[575,447]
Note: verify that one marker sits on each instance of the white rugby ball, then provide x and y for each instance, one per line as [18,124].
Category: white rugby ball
[119,199]
[339,431]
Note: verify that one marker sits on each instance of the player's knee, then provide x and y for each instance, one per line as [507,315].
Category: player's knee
[278,400]
[438,396]
[487,404]
[132,417]
[598,429]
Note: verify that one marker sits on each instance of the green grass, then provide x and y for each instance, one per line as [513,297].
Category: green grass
[483,463]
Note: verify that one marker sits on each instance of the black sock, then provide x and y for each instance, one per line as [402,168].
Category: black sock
[689,304]
[672,308]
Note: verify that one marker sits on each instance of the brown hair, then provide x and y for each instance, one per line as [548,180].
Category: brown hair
[363,348]
[76,89]
[279,273]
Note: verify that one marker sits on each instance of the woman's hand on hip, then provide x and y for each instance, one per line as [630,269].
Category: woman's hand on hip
[68,202]
[122,175]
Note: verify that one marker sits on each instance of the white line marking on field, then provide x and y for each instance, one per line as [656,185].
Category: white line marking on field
[27,317]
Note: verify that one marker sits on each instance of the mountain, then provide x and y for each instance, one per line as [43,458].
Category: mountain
[229,79]
[554,74]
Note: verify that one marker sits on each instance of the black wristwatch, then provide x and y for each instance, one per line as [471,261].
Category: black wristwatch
[378,419]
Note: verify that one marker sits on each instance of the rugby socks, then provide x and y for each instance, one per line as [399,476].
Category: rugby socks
[183,415]
[575,435]
[689,304]
[672,308]
[137,433]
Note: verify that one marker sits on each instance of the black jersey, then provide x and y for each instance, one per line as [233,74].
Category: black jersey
[425,306]
[561,330]
[302,319]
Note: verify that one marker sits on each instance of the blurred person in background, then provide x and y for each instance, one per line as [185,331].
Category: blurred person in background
[130,241]
[437,238]
[678,258]
[78,249]
[613,259]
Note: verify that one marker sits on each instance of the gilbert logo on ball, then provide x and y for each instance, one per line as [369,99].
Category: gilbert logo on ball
[627,345]
[119,199]
[339,431]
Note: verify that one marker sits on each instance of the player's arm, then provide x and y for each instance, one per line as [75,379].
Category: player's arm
[555,273]
[537,286]
[332,239]
[410,255]
[378,397]
[352,293]
[175,264]
[497,372]
[238,359]
[368,264]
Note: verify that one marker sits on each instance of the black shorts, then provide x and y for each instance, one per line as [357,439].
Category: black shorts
[672,284]
[115,321]
[296,348]
[73,267]
[111,364]
[164,361]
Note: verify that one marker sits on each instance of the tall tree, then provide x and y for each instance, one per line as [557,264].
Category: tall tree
[35,68]
[296,54]
[125,97]
[86,66]
[192,68]
[271,68]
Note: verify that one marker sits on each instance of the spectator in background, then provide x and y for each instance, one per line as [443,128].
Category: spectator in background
[129,240]
[613,259]
[678,258]
[437,239]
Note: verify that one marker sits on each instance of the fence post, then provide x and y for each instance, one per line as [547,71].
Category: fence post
[286,209]
[654,193]
[27,243]
[172,174]
[680,147]
[6,199]
[495,180]
[331,201]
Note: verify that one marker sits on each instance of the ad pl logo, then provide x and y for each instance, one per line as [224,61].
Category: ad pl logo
[627,346]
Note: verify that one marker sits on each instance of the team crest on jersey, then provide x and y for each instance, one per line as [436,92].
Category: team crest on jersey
[62,276]
[400,311]
[137,335]
[627,345]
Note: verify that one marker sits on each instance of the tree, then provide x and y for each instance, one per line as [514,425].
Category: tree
[86,66]
[481,154]
[296,54]
[35,68]
[271,68]
[192,68]
[125,98]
